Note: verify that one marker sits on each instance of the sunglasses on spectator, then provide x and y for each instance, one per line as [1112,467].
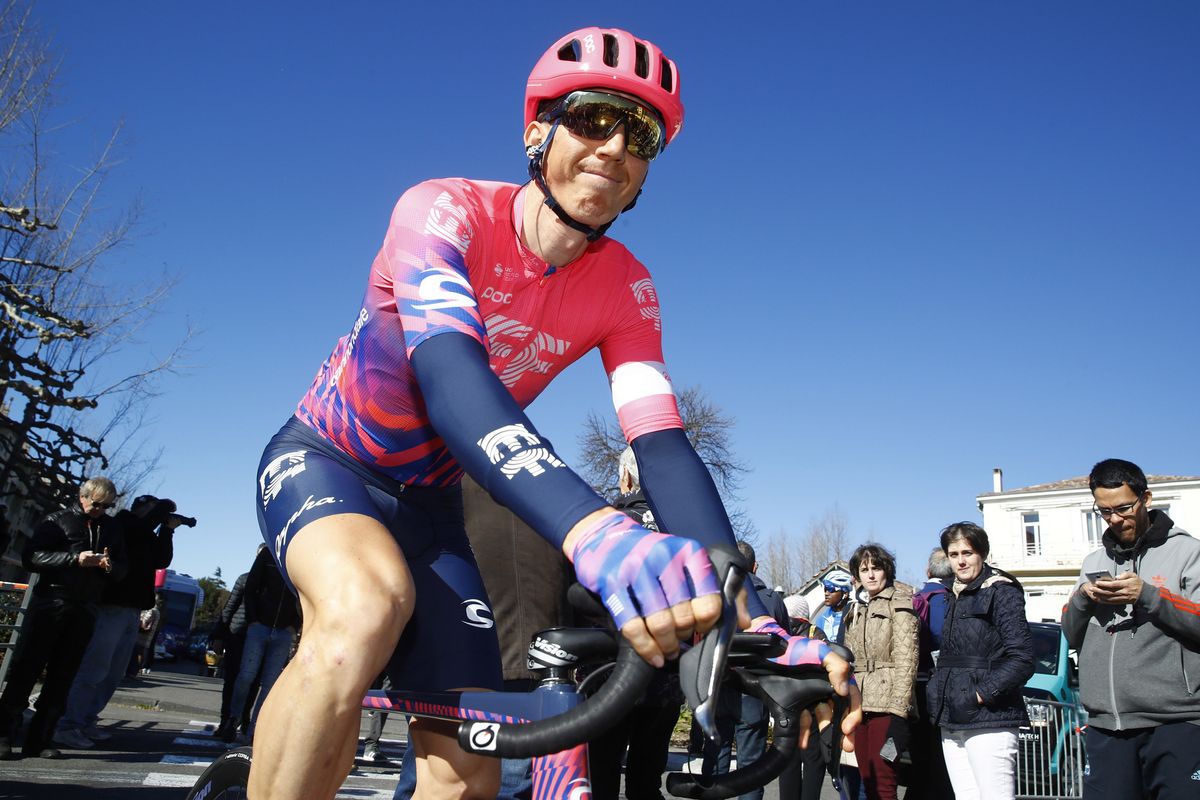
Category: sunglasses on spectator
[104,506]
[596,115]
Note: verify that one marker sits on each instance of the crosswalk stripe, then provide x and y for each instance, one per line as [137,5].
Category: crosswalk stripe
[188,761]
[170,779]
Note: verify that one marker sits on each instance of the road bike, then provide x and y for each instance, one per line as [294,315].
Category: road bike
[553,722]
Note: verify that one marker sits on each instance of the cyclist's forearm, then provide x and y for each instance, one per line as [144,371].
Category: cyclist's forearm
[683,496]
[493,440]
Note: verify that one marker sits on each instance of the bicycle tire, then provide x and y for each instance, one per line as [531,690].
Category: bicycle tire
[224,779]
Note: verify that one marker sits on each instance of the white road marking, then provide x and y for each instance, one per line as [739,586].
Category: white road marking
[170,779]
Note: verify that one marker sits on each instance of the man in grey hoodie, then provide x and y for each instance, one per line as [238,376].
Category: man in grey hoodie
[1135,618]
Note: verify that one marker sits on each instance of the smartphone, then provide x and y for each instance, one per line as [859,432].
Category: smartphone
[1095,576]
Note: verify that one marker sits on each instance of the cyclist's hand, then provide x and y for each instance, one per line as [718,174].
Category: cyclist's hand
[659,589]
[813,651]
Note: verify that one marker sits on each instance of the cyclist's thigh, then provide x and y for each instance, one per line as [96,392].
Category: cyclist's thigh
[450,643]
[323,525]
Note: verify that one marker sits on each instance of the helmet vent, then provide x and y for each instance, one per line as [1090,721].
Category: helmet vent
[668,76]
[642,63]
[570,51]
[610,50]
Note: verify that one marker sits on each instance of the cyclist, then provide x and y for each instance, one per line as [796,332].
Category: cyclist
[481,293]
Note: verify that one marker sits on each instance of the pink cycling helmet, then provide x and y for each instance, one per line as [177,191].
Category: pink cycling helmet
[607,58]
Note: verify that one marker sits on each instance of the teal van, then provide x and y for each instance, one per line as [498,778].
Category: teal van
[1050,757]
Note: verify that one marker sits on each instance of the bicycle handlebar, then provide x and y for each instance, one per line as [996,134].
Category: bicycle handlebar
[586,722]
[785,693]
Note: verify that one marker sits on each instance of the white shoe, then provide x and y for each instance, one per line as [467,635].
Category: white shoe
[96,733]
[74,739]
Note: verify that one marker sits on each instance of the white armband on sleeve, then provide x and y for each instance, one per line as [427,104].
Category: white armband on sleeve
[644,399]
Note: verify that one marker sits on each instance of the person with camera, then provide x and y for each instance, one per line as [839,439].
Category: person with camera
[76,552]
[148,526]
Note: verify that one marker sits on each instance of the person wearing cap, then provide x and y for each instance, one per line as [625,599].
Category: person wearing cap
[482,293]
[148,526]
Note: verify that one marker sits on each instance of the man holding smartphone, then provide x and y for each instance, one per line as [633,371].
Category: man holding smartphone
[1135,619]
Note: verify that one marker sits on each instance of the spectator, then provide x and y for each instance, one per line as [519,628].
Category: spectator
[230,638]
[829,617]
[148,526]
[799,618]
[643,737]
[1139,644]
[77,551]
[883,636]
[802,777]
[272,616]
[985,658]
[376,719]
[740,717]
[930,603]
[143,651]
[526,579]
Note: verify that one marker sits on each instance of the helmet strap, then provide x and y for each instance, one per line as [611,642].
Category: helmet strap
[536,155]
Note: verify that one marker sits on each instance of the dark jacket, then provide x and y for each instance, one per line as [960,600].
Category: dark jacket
[772,600]
[53,552]
[526,577]
[986,648]
[268,599]
[233,614]
[145,552]
[635,506]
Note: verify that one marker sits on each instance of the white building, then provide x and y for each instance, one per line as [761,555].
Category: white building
[1041,533]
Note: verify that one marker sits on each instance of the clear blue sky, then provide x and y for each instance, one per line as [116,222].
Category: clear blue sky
[901,244]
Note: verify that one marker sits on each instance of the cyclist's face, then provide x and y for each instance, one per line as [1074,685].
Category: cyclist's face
[593,179]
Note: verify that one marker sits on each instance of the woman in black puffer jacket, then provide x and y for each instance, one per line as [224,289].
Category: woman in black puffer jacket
[986,657]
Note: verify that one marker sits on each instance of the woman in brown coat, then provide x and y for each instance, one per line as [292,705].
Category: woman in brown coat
[882,632]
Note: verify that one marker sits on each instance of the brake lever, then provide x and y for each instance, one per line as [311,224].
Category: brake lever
[702,666]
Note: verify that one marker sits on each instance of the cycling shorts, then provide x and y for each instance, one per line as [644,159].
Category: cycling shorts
[450,642]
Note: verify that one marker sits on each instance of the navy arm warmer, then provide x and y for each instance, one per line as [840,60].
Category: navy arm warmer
[493,440]
[684,498]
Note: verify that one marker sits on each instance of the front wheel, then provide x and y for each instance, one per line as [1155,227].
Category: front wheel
[225,778]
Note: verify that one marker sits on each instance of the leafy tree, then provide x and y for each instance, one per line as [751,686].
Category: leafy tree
[215,595]
[708,428]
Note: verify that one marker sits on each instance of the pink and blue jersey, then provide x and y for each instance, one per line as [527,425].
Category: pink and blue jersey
[452,260]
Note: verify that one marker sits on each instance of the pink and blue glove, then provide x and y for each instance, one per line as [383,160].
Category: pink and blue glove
[800,650]
[637,572]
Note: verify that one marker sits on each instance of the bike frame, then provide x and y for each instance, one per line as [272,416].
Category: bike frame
[558,776]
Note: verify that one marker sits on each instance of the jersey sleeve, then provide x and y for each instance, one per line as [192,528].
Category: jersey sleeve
[423,263]
[633,358]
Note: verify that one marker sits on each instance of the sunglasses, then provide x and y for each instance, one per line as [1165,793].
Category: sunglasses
[596,115]
[103,506]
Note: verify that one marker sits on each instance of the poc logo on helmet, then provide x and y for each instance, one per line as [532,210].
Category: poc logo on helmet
[519,450]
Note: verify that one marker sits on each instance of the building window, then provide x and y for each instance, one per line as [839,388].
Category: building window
[1093,527]
[1033,533]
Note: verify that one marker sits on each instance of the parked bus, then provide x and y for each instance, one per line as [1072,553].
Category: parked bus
[182,600]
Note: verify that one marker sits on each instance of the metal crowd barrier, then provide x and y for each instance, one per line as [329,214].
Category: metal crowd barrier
[1051,759]
[14,603]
